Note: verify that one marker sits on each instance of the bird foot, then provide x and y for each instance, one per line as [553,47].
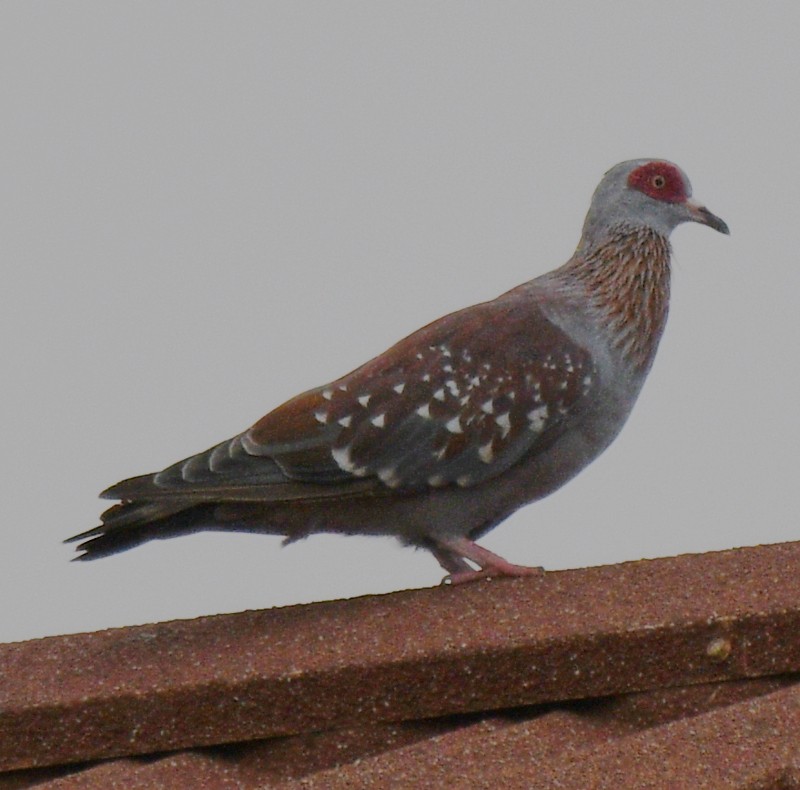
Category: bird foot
[491,572]
[452,555]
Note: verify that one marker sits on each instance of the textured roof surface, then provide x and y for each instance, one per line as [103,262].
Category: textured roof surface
[599,677]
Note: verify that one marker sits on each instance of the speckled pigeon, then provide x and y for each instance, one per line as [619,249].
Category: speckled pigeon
[454,428]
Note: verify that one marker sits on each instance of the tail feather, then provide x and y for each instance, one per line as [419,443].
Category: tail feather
[130,524]
[126,514]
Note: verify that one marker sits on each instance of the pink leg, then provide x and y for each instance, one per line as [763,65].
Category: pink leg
[452,563]
[490,564]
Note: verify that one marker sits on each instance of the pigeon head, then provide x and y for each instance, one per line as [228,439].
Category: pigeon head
[644,193]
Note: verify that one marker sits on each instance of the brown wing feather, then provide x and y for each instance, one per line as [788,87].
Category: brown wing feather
[433,410]
[457,402]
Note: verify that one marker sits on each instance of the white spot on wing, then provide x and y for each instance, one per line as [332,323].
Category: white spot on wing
[439,394]
[454,425]
[364,399]
[424,411]
[464,481]
[487,407]
[342,457]
[321,416]
[504,421]
[389,476]
[345,421]
[379,421]
[453,387]
[327,394]
[436,481]
[538,418]
[398,388]
[486,452]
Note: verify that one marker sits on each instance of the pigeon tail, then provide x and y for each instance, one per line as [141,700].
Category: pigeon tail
[130,524]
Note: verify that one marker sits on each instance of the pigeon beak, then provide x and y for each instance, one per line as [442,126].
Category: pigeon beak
[699,213]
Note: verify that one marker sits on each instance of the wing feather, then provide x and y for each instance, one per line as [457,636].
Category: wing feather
[456,403]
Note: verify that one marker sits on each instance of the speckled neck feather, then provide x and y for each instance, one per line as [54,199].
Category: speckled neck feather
[627,277]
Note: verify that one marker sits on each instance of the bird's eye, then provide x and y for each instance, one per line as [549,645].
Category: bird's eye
[659,182]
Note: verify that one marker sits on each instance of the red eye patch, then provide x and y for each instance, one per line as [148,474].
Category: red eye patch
[660,181]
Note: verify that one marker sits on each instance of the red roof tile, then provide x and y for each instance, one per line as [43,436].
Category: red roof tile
[505,749]
[419,654]
[655,739]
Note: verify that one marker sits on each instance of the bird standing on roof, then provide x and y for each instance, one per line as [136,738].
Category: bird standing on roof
[454,428]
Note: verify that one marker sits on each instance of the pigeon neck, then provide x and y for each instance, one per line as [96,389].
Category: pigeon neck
[626,275]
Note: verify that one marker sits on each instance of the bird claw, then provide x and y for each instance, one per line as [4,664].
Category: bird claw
[452,555]
[491,572]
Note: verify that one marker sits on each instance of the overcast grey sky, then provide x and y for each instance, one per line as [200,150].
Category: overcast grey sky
[209,207]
